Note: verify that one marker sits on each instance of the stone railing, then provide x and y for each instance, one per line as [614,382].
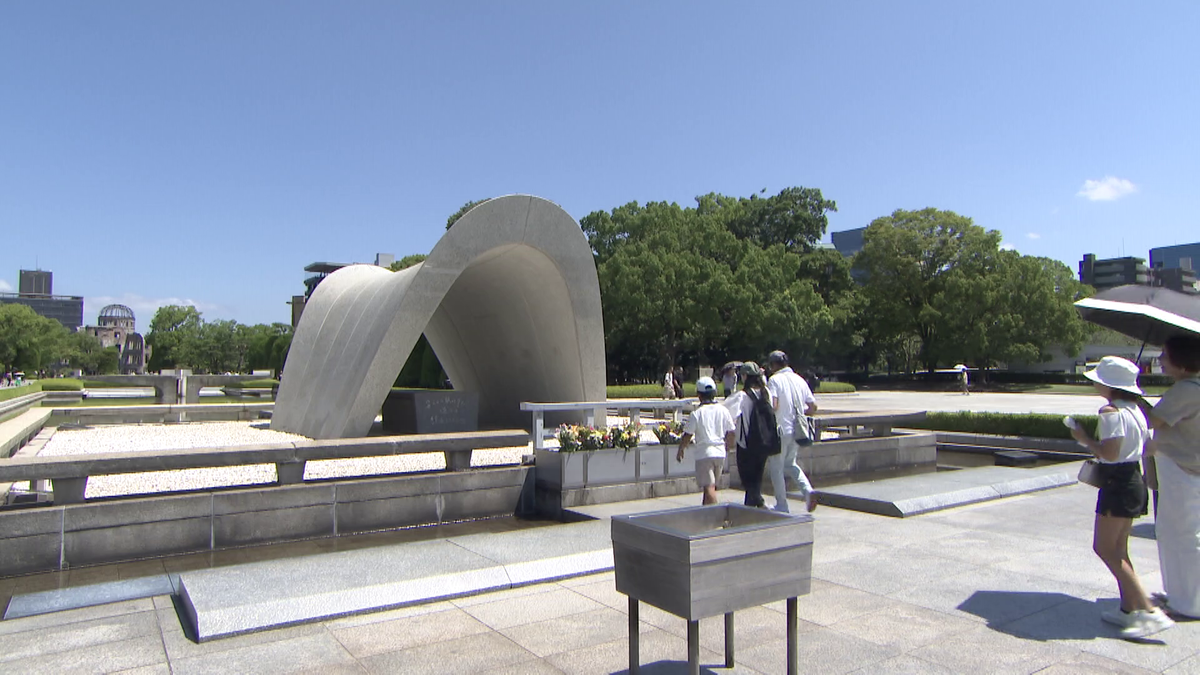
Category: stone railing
[594,412]
[878,422]
[69,473]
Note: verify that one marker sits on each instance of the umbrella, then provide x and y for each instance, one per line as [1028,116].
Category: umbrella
[732,365]
[1147,313]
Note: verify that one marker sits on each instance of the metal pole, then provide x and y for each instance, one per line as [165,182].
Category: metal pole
[729,639]
[634,634]
[694,647]
[793,653]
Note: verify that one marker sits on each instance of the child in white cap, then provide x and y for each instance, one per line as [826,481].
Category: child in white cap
[711,427]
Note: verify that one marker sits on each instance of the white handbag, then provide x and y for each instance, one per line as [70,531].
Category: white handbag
[1089,474]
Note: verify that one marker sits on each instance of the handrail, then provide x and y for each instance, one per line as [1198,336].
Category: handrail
[26,401]
[69,473]
[596,410]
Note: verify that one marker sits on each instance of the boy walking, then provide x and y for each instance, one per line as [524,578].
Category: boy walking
[711,427]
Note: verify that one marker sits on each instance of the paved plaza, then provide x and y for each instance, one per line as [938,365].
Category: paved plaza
[1009,586]
[1056,404]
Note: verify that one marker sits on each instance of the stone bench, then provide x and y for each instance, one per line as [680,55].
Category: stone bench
[880,423]
[69,473]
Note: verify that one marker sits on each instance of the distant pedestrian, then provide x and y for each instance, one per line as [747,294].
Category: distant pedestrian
[729,378]
[964,380]
[669,384]
[794,403]
[712,429]
[1176,448]
[678,382]
[753,414]
[1123,433]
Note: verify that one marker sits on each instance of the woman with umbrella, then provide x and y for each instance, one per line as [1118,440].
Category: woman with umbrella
[1176,448]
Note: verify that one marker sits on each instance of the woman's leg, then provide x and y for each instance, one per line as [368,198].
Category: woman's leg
[1178,532]
[1110,541]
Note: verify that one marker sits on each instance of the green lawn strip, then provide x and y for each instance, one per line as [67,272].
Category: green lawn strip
[1033,425]
[8,393]
[61,384]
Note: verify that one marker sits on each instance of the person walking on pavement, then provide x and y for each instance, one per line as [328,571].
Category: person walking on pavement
[794,402]
[715,434]
[757,432]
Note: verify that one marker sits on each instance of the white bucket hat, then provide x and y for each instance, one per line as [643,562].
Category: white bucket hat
[1116,372]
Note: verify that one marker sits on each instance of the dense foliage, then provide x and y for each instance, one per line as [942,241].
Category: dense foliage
[180,337]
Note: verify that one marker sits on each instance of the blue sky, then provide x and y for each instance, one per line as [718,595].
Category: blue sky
[158,152]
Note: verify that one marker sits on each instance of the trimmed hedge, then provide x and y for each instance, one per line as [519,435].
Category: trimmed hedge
[835,388]
[17,392]
[255,384]
[62,384]
[1034,425]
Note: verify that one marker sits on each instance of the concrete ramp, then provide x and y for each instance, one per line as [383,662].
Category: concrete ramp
[923,493]
[257,596]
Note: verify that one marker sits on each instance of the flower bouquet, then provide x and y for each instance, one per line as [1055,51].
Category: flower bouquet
[669,433]
[575,437]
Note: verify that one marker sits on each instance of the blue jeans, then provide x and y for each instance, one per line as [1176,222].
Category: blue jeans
[783,466]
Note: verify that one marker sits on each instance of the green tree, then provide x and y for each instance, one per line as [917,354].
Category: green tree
[462,211]
[407,262]
[910,258]
[87,354]
[29,341]
[173,331]
[795,218]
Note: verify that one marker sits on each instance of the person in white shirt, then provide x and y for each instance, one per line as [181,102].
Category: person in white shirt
[794,401]
[711,427]
[1123,433]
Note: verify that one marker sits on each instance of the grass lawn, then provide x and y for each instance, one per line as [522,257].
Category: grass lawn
[1073,389]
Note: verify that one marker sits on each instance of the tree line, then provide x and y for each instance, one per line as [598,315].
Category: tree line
[180,337]
[33,343]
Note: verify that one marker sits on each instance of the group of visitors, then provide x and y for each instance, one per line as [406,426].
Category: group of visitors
[767,421]
[1167,444]
[12,379]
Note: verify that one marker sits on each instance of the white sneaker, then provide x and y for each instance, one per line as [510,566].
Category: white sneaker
[1146,623]
[1117,617]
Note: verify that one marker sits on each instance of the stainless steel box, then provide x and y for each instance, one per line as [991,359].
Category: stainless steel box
[707,560]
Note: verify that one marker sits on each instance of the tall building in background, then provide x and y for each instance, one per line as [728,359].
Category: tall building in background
[36,282]
[317,272]
[1110,272]
[848,242]
[35,291]
[1175,267]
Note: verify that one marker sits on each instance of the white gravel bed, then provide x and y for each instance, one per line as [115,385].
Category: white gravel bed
[153,437]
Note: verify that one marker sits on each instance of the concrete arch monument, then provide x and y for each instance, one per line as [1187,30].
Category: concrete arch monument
[510,303]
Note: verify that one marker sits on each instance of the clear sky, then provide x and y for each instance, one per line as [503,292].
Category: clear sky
[205,152]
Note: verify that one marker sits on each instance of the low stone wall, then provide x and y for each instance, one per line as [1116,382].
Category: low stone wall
[161,414]
[60,537]
[845,459]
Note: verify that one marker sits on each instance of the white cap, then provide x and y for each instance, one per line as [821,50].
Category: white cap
[1117,373]
[705,385]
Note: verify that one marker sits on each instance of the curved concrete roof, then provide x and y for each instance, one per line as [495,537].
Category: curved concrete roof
[510,303]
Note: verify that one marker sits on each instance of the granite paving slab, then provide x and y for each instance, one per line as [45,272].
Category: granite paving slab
[238,599]
[924,493]
[75,597]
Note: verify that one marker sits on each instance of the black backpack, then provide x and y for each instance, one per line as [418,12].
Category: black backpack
[762,435]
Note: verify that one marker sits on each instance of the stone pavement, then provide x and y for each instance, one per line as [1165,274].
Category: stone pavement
[1009,586]
[1057,404]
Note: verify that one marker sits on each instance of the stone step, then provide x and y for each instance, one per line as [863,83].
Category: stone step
[229,601]
[923,493]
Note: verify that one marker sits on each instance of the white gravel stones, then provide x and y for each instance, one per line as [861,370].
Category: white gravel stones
[153,437]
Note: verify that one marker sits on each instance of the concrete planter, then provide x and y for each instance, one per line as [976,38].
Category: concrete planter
[611,466]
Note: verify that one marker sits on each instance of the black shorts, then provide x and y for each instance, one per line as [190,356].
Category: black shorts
[1123,494]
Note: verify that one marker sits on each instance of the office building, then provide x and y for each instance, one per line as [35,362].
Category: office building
[848,242]
[1110,272]
[36,282]
[1175,267]
[66,309]
[316,274]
